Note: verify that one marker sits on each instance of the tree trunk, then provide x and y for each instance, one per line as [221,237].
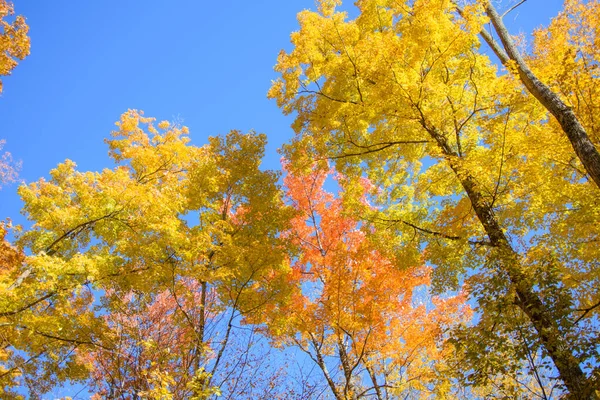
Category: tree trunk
[348,387]
[321,363]
[546,327]
[583,146]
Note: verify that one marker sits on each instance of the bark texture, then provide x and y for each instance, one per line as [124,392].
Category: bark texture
[548,331]
[576,133]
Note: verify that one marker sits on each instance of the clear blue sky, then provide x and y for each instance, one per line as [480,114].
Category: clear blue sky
[207,63]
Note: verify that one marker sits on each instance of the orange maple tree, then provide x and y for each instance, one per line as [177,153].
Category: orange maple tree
[365,319]
[171,344]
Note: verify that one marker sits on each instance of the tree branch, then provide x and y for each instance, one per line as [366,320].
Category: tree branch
[512,8]
[438,234]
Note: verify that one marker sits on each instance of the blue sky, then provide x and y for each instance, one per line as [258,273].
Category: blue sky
[209,64]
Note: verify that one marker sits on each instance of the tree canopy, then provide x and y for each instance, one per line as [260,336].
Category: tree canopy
[431,232]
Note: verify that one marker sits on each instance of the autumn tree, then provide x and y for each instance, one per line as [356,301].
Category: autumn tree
[10,258]
[152,348]
[559,105]
[14,42]
[364,320]
[466,167]
[566,56]
[152,344]
[168,214]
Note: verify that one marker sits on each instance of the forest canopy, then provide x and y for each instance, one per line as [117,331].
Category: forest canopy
[430,232]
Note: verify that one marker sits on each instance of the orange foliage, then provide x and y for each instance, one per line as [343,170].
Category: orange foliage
[355,304]
[10,256]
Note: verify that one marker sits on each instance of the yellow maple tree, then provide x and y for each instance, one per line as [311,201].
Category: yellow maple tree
[167,213]
[465,165]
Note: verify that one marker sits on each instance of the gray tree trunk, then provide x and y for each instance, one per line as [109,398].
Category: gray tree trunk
[583,146]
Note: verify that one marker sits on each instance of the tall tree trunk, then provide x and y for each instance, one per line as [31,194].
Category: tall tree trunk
[548,332]
[583,146]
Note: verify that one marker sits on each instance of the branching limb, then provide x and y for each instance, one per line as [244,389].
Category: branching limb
[586,311]
[437,234]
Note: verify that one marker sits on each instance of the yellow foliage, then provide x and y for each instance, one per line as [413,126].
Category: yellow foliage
[167,211]
[14,42]
[468,167]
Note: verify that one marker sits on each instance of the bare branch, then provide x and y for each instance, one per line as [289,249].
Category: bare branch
[512,8]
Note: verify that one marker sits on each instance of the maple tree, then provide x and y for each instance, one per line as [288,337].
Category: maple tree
[356,313]
[466,166]
[153,344]
[168,346]
[566,56]
[170,212]
[163,276]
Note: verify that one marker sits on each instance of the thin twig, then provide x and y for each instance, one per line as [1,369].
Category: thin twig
[512,8]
